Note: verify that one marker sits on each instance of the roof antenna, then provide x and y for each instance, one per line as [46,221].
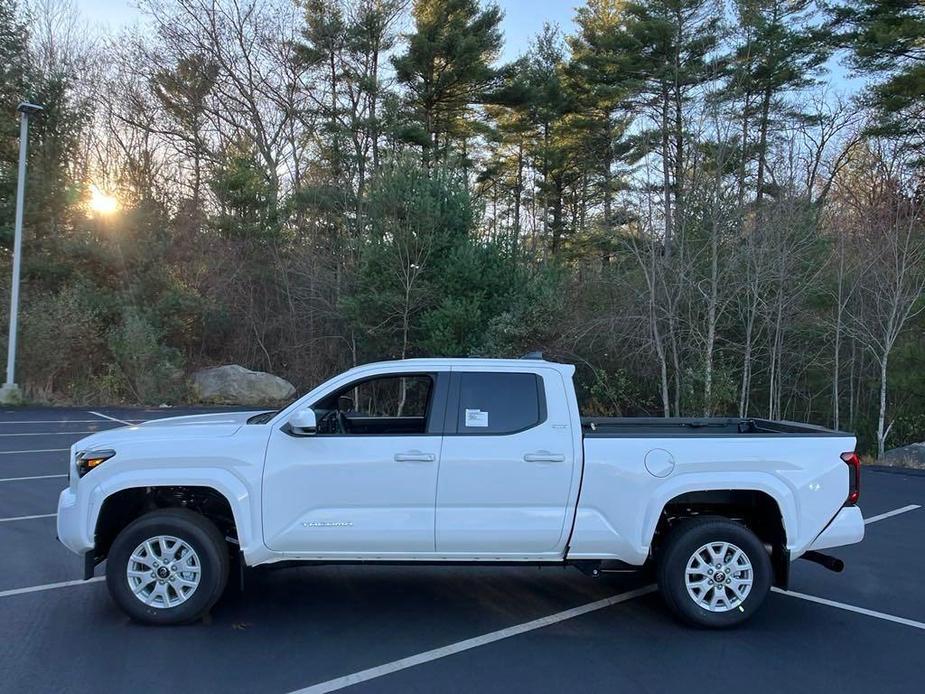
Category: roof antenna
[533,355]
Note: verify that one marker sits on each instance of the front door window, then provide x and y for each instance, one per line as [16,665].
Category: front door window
[389,405]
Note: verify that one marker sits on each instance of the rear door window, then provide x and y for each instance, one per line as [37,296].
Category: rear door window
[495,403]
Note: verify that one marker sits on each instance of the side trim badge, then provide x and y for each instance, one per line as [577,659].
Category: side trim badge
[327,524]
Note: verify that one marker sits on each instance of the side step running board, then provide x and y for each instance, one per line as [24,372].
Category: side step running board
[829,562]
[597,567]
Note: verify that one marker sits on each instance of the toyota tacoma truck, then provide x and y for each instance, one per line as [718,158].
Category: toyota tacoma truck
[458,461]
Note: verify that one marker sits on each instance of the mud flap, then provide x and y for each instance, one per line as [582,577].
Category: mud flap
[90,563]
[780,560]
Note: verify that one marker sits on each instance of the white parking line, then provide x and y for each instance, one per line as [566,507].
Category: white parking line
[33,477]
[19,518]
[49,421]
[469,644]
[890,514]
[852,608]
[36,450]
[52,433]
[113,419]
[48,586]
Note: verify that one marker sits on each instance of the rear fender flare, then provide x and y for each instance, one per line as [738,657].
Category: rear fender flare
[694,482]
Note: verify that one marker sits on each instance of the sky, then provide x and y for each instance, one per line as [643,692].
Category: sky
[523,19]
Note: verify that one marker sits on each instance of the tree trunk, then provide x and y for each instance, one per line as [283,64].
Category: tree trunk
[431,146]
[836,356]
[373,105]
[608,184]
[712,307]
[763,144]
[557,209]
[519,188]
[545,172]
[881,412]
[852,385]
[775,356]
[676,363]
[678,129]
[666,172]
[745,389]
[657,339]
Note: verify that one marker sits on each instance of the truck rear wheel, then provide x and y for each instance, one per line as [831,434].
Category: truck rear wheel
[713,572]
[168,567]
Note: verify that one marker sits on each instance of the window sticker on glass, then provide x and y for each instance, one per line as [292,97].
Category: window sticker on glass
[476,418]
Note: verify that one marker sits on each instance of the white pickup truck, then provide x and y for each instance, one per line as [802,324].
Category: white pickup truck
[458,461]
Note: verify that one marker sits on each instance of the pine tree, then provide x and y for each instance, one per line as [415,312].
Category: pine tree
[531,106]
[447,67]
[673,52]
[182,91]
[245,197]
[13,80]
[887,39]
[370,35]
[778,52]
[601,86]
[321,52]
[548,101]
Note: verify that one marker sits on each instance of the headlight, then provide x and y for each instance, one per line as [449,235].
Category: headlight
[87,460]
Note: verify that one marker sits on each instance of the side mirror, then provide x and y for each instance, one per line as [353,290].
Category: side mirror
[303,423]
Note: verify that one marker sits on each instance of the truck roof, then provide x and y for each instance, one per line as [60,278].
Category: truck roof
[449,362]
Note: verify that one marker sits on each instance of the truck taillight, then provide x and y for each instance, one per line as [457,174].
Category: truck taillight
[854,477]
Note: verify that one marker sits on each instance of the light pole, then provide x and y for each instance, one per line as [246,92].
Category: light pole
[9,393]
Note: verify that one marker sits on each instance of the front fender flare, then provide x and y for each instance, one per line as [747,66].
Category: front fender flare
[246,516]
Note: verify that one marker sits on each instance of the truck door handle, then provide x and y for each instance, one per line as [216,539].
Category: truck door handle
[544,457]
[415,457]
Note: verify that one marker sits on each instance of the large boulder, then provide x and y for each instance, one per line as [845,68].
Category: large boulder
[235,385]
[912,455]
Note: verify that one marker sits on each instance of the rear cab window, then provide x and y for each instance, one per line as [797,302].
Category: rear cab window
[496,403]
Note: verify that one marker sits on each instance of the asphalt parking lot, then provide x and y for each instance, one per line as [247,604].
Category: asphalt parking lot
[432,629]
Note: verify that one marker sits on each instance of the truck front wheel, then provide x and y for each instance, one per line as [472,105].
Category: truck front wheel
[168,567]
[713,572]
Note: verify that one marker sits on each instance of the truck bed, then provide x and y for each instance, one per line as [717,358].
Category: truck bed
[633,427]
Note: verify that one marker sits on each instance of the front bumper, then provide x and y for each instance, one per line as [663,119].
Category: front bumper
[72,523]
[845,529]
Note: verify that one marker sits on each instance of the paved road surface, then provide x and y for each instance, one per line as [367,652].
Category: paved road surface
[431,629]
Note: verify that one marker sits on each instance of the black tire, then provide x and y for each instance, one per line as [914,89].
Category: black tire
[683,541]
[199,533]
